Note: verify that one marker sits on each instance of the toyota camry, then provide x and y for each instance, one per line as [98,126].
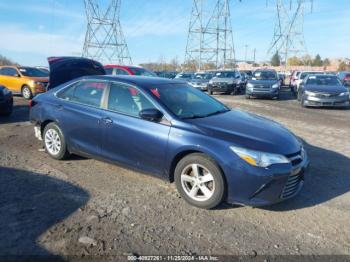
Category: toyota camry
[171,130]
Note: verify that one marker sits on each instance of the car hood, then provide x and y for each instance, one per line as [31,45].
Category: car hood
[249,131]
[326,89]
[263,82]
[221,80]
[65,69]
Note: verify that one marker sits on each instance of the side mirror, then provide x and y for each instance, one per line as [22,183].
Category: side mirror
[151,114]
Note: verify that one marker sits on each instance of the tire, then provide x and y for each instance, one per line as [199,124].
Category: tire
[302,102]
[247,96]
[187,182]
[26,92]
[54,136]
[210,91]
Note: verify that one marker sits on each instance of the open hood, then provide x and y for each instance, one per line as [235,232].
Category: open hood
[65,69]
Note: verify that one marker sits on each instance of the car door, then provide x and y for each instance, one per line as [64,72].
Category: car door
[79,113]
[11,79]
[127,138]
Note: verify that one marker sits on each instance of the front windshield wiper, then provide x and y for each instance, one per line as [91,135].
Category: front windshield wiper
[207,115]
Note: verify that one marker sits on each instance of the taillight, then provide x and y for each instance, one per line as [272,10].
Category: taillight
[32,103]
[347,78]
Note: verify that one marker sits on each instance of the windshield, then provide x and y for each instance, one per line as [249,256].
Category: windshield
[142,72]
[33,72]
[323,80]
[229,74]
[203,76]
[264,75]
[303,75]
[186,102]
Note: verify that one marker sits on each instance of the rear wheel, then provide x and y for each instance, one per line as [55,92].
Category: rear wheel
[55,143]
[200,181]
[26,92]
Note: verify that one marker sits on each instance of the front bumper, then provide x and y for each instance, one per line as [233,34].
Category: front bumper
[260,92]
[38,89]
[222,87]
[336,101]
[257,186]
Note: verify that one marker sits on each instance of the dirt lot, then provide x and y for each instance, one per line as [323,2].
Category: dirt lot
[82,206]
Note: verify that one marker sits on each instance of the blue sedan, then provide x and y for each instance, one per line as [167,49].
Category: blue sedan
[168,129]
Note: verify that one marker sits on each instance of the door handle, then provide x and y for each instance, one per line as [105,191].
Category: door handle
[107,120]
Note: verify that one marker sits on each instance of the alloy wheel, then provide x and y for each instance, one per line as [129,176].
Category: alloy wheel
[53,142]
[197,182]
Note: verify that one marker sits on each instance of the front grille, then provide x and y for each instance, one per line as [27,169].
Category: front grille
[292,185]
[323,95]
[295,158]
[262,86]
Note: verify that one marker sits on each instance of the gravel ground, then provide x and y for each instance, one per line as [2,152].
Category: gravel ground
[84,207]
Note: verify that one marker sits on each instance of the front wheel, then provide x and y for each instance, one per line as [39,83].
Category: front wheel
[210,91]
[200,181]
[26,92]
[55,143]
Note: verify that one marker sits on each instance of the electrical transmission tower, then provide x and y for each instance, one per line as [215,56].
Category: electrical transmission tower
[210,37]
[104,40]
[288,39]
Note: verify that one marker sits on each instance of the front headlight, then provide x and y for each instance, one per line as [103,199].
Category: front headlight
[308,93]
[345,94]
[38,83]
[249,85]
[275,86]
[257,158]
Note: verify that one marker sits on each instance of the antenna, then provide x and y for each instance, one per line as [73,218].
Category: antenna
[288,39]
[210,37]
[104,40]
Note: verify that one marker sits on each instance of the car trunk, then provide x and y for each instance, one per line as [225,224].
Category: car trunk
[65,69]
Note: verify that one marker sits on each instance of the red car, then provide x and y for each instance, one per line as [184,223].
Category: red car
[128,70]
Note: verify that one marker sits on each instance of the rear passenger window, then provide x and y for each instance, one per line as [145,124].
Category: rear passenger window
[109,71]
[87,93]
[127,100]
[121,72]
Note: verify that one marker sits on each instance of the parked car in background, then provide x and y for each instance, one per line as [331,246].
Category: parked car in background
[293,80]
[245,78]
[323,90]
[128,70]
[302,76]
[177,133]
[264,83]
[185,76]
[344,77]
[166,74]
[201,80]
[249,73]
[228,82]
[28,81]
[6,101]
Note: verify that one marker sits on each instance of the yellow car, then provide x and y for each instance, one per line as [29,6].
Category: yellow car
[28,81]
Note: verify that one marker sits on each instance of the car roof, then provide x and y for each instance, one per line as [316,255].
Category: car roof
[121,66]
[140,81]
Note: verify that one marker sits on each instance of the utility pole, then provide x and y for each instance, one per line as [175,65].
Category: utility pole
[104,40]
[210,37]
[288,39]
[246,53]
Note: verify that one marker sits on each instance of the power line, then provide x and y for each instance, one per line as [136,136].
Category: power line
[288,39]
[104,40]
[210,37]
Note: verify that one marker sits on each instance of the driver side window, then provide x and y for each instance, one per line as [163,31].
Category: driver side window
[127,100]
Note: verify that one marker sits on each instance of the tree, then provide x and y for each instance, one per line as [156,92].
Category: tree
[276,59]
[5,61]
[326,62]
[317,61]
[294,61]
[343,66]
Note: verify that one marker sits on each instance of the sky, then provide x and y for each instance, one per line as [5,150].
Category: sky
[32,30]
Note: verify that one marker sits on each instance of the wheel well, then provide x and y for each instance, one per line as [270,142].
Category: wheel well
[43,125]
[176,160]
